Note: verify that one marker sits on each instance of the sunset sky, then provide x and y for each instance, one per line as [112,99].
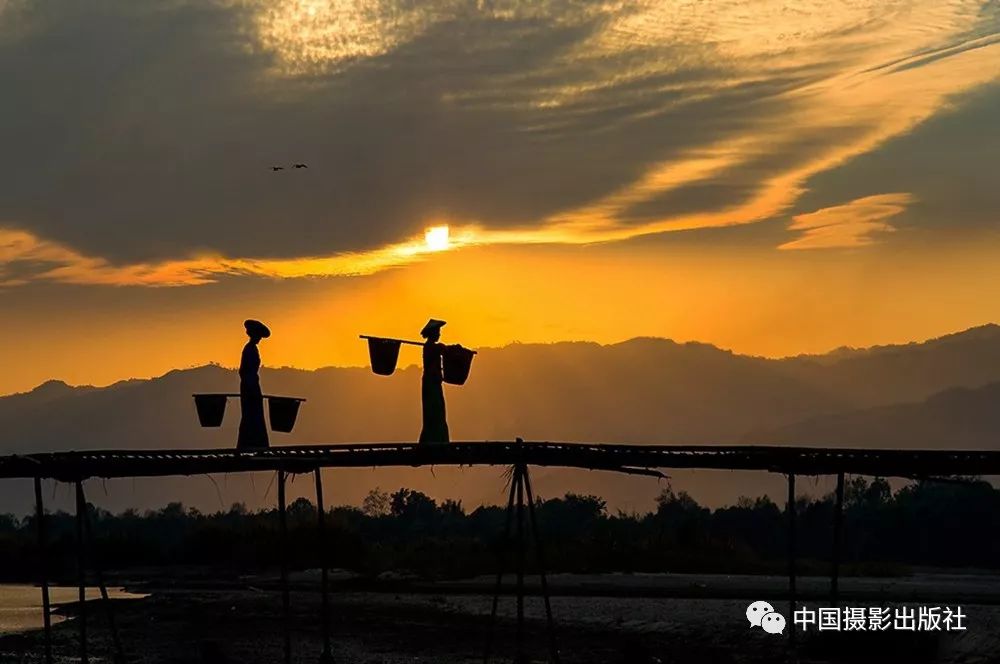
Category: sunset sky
[772,177]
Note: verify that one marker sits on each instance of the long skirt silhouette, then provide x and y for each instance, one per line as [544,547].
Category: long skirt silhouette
[435,429]
[253,428]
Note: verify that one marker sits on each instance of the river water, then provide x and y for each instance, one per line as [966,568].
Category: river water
[21,606]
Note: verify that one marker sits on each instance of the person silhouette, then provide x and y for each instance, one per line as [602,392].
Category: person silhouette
[253,429]
[435,427]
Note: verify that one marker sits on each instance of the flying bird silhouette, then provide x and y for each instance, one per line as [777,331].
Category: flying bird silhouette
[277,168]
[301,166]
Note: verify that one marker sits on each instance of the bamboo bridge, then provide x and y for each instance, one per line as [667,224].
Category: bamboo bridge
[913,464]
[652,460]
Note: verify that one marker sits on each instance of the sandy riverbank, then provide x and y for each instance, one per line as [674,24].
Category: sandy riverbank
[243,624]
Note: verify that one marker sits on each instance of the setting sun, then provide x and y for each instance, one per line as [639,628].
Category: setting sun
[436,238]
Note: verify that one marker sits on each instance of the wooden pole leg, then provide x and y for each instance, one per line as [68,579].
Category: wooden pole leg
[501,560]
[109,608]
[838,535]
[520,655]
[43,553]
[81,561]
[285,598]
[327,656]
[539,557]
[791,556]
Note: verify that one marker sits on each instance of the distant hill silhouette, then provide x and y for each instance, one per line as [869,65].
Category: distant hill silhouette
[958,417]
[642,391]
[910,372]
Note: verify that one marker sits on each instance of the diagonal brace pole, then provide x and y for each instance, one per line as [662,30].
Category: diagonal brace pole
[550,623]
[501,559]
[119,654]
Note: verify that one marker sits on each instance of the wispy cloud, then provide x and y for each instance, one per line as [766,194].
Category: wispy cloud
[547,122]
[853,224]
[25,257]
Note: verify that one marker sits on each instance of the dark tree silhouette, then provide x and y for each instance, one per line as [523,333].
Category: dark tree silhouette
[948,525]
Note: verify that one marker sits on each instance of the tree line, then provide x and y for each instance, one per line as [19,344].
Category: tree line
[884,532]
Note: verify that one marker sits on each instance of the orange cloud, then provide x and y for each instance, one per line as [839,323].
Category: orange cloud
[45,260]
[868,72]
[875,72]
[854,224]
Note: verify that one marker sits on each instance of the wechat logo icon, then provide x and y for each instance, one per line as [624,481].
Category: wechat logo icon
[761,614]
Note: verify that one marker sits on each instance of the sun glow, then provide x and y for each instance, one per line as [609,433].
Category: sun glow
[437,238]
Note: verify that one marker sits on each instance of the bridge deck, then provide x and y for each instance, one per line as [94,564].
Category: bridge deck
[71,466]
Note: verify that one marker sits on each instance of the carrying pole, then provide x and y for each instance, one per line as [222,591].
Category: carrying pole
[402,341]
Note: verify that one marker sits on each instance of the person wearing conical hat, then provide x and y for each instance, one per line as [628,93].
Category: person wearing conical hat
[435,429]
[253,429]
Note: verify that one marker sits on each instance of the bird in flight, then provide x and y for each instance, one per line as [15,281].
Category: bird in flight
[277,168]
[301,166]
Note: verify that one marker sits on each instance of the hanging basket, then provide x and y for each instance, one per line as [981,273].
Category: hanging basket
[384,354]
[456,364]
[211,409]
[283,411]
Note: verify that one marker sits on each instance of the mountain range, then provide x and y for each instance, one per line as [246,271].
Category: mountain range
[936,393]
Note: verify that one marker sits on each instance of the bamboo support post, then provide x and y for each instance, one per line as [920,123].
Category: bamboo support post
[285,599]
[44,569]
[81,561]
[838,535]
[519,481]
[791,556]
[327,656]
[539,557]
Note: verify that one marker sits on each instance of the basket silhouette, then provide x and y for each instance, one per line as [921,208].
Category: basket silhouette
[456,364]
[384,353]
[211,409]
[282,412]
